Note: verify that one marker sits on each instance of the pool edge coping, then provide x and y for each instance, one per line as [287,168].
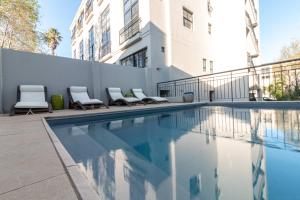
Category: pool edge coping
[79,182]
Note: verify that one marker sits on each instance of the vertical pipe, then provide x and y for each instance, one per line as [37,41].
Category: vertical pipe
[231,87]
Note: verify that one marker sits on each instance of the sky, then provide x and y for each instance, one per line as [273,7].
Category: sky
[59,14]
[279,24]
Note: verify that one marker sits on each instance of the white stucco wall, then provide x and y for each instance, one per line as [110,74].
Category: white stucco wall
[162,26]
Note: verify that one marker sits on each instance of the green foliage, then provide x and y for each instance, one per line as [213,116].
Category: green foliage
[18,22]
[52,37]
[291,51]
[128,94]
[281,90]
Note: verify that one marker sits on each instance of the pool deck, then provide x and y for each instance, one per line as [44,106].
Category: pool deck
[30,167]
[33,168]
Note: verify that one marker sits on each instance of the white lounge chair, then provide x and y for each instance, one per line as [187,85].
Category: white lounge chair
[138,93]
[30,99]
[79,98]
[117,98]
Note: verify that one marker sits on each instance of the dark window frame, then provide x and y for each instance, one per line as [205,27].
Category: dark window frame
[211,66]
[138,59]
[130,10]
[81,50]
[204,64]
[188,18]
[91,44]
[105,47]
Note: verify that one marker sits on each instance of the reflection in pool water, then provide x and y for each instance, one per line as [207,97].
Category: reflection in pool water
[203,153]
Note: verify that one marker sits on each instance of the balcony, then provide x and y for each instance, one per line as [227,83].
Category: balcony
[130,30]
[250,27]
[253,10]
[105,50]
[88,9]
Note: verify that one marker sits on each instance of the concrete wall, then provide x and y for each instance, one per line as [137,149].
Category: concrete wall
[59,73]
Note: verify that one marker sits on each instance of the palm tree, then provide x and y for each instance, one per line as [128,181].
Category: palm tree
[52,37]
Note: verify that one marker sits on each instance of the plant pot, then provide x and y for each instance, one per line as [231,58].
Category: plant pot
[188,97]
[57,102]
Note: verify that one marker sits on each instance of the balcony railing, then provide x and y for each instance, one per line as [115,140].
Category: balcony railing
[130,30]
[251,27]
[105,49]
[89,8]
[279,82]
[253,8]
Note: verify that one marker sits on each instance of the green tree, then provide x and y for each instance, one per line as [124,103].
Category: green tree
[52,37]
[291,51]
[18,22]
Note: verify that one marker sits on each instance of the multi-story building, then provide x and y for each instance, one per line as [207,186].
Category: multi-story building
[190,37]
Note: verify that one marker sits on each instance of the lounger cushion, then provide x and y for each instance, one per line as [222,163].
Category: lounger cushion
[27,105]
[115,93]
[159,99]
[32,93]
[91,101]
[132,99]
[80,94]
[141,95]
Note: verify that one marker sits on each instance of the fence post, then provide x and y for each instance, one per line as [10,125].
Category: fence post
[175,88]
[198,89]
[297,89]
[157,90]
[231,87]
[281,79]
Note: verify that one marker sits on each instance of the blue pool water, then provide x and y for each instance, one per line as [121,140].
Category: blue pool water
[198,153]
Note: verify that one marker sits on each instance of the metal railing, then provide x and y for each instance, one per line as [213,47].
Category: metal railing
[271,81]
[105,49]
[130,30]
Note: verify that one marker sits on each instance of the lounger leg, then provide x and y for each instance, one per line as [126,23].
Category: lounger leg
[50,109]
[12,111]
[29,112]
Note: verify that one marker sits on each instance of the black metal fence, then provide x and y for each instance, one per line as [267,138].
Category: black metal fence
[271,81]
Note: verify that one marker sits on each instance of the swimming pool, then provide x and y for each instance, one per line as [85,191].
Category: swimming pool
[195,153]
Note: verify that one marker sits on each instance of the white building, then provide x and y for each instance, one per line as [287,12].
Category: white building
[193,37]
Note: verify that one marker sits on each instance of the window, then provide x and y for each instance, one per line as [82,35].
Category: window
[209,28]
[73,32]
[209,7]
[211,66]
[204,65]
[91,44]
[187,18]
[105,33]
[131,10]
[266,73]
[80,20]
[138,59]
[81,54]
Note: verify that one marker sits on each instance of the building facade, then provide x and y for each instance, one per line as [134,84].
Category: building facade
[191,37]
